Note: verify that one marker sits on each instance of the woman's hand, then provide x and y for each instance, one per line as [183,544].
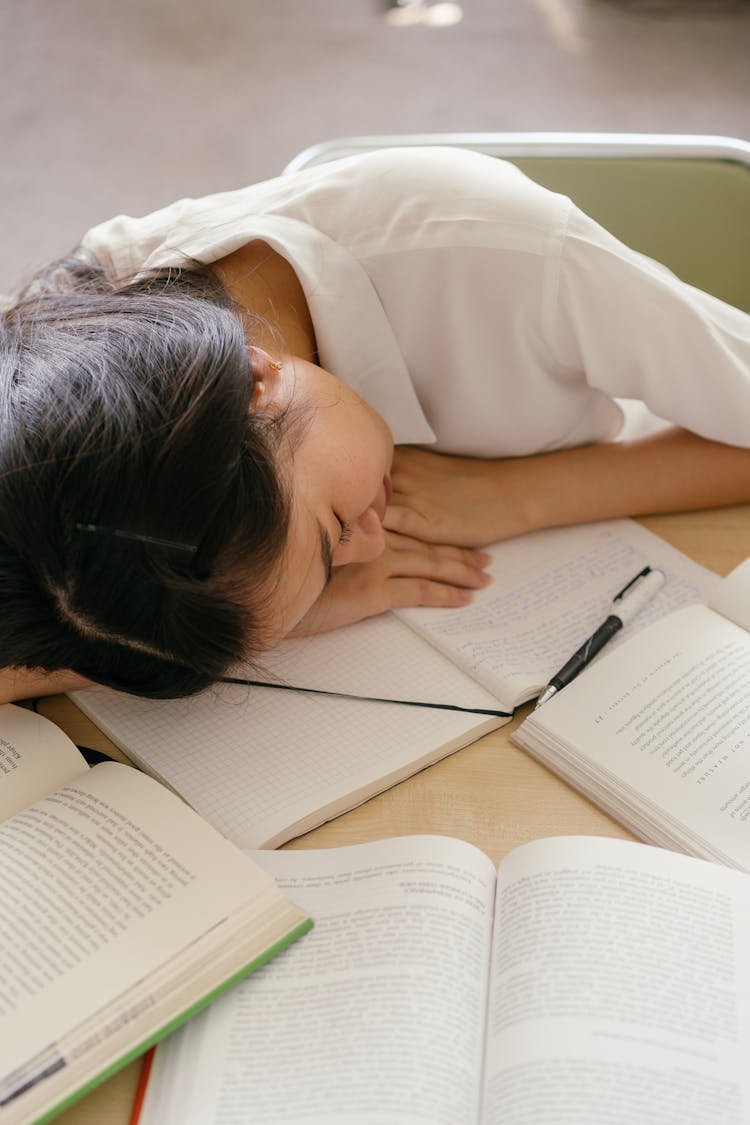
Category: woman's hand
[408,573]
[463,500]
[474,502]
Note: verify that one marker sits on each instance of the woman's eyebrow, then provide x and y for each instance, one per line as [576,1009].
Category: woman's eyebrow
[326,552]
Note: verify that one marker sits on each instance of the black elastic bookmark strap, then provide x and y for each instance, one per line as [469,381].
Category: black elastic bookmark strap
[93,757]
[368,698]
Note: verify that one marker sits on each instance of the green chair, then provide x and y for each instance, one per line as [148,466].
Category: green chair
[683,200]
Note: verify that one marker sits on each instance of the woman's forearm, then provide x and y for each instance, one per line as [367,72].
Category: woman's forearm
[22,683]
[669,471]
[472,502]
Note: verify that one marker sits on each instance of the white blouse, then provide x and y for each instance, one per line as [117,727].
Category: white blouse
[473,308]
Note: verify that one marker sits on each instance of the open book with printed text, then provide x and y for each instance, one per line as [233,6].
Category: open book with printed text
[122,914]
[587,981]
[657,732]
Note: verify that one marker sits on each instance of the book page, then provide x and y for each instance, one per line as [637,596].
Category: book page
[377,1016]
[660,731]
[104,882]
[35,757]
[263,765]
[378,657]
[620,990]
[551,589]
[732,596]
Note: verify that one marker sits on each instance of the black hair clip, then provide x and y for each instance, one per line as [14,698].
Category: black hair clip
[136,537]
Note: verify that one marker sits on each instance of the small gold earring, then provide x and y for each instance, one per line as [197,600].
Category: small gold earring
[276,364]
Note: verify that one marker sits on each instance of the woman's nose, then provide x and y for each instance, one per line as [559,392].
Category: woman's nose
[366,543]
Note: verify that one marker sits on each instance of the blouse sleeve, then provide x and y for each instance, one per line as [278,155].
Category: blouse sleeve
[639,332]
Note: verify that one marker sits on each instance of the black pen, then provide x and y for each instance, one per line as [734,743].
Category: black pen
[630,601]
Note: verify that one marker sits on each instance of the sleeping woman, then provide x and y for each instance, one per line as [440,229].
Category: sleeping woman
[282,409]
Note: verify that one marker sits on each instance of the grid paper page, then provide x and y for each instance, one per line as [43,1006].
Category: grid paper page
[379,657]
[263,765]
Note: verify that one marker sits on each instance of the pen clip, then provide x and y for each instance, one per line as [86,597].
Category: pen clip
[641,574]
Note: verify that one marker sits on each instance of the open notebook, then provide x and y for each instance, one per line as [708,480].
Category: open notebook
[264,764]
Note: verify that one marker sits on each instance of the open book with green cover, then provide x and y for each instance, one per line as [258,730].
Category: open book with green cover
[122,914]
[264,764]
[589,981]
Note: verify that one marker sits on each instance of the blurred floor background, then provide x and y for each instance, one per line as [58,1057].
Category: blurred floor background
[123,105]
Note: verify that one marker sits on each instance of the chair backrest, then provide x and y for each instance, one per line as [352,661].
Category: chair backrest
[684,200]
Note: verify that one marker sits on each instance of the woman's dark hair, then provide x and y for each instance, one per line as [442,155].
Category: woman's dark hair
[142,508]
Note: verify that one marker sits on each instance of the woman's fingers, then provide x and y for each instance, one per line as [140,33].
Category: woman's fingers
[405,592]
[468,501]
[408,573]
[406,521]
[455,566]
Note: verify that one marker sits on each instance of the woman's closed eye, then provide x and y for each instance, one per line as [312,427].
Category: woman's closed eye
[346,530]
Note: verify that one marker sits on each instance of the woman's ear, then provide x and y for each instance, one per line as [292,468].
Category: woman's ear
[265,374]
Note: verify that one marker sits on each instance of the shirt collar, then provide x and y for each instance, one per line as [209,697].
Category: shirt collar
[354,336]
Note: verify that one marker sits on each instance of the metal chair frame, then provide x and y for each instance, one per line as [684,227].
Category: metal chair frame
[682,199]
[507,145]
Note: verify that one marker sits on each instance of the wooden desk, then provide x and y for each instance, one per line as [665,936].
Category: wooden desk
[490,793]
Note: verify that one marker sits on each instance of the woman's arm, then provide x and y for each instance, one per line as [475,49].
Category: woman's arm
[471,502]
[468,502]
[21,683]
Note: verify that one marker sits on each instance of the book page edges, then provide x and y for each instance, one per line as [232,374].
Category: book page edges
[647,820]
[272,835]
[133,1052]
